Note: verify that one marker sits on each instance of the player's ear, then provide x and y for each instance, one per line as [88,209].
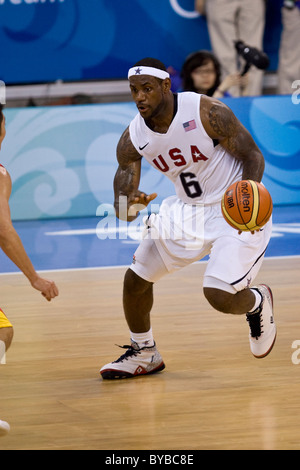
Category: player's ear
[166,85]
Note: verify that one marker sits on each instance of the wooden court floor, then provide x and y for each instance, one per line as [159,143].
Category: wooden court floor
[212,395]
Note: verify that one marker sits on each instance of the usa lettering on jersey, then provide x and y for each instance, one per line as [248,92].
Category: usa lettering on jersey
[175,155]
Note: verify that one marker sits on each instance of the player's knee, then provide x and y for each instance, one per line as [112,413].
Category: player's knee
[219,299]
[134,284]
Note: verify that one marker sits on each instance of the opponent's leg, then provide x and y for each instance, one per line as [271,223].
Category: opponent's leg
[6,336]
[4,428]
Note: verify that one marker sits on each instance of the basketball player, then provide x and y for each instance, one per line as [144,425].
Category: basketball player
[12,246]
[199,144]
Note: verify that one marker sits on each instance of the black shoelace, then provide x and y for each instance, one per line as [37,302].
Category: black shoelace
[130,352]
[255,324]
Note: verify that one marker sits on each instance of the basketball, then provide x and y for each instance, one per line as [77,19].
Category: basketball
[247,205]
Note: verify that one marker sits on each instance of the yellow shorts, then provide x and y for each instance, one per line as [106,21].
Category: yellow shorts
[4,323]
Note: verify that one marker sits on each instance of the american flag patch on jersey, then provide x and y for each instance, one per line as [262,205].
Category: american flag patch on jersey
[189,126]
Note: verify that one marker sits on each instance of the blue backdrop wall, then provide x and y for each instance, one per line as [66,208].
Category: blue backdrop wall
[47,40]
[62,159]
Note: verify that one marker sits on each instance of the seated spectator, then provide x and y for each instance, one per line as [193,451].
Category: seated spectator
[201,73]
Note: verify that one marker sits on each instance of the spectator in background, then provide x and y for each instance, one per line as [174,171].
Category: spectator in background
[289,53]
[201,73]
[229,21]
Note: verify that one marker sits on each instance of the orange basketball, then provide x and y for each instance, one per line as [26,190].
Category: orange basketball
[247,205]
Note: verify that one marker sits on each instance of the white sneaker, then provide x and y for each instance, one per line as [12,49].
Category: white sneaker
[134,362]
[262,326]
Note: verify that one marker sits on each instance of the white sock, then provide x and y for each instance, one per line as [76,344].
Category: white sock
[2,352]
[143,339]
[258,299]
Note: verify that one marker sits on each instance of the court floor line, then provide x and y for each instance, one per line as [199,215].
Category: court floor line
[101,268]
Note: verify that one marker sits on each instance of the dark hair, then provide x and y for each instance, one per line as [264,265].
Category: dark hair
[197,59]
[150,62]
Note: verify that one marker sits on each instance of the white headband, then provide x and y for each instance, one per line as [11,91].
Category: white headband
[143,70]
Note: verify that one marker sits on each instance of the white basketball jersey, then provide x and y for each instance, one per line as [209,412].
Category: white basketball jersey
[200,168]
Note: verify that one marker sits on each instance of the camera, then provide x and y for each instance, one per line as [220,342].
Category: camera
[252,56]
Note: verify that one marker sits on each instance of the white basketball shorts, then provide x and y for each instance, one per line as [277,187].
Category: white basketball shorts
[181,234]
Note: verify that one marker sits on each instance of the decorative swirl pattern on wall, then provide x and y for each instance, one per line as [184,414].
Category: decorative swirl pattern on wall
[50,41]
[275,124]
[63,160]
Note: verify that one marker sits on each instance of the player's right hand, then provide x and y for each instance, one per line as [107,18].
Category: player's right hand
[47,288]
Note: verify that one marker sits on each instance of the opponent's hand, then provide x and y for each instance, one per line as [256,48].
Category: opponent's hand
[48,288]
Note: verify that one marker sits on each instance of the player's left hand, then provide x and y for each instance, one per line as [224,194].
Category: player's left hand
[143,198]
[139,201]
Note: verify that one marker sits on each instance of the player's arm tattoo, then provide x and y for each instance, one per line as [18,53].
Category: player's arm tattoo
[126,152]
[221,122]
[127,177]
[236,139]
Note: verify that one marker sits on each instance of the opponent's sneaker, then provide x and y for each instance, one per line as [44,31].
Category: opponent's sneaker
[262,326]
[4,428]
[136,361]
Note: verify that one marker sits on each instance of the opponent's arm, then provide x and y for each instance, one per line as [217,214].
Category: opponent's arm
[128,199]
[12,246]
[220,123]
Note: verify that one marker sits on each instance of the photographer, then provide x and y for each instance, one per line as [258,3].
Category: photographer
[289,53]
[229,22]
